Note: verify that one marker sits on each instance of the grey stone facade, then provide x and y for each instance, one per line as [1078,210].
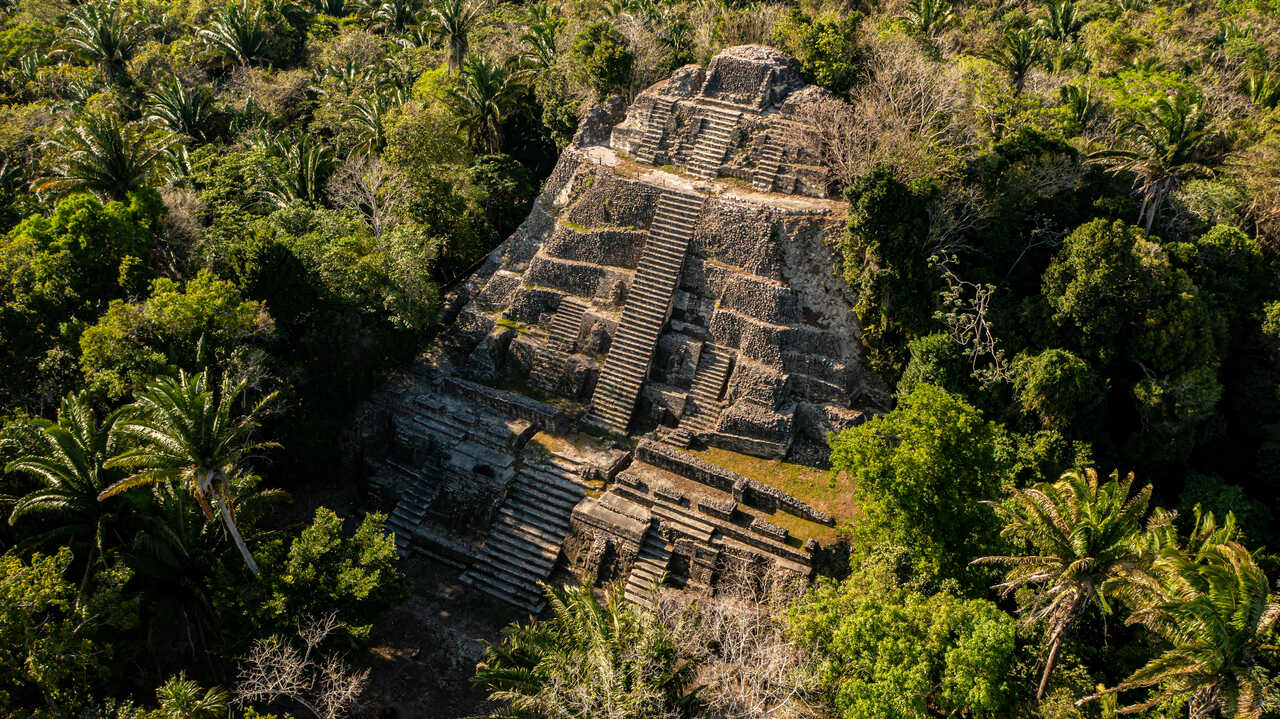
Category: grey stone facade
[757,353]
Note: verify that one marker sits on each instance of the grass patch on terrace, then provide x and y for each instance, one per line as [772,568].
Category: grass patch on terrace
[816,487]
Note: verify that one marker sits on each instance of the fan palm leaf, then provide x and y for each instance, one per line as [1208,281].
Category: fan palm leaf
[185,431]
[1083,532]
[71,467]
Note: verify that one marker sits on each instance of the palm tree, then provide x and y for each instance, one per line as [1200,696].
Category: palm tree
[393,16]
[182,110]
[591,659]
[1167,143]
[1212,604]
[71,468]
[175,551]
[929,17]
[453,21]
[332,8]
[101,155]
[1062,22]
[1017,52]
[103,33]
[539,37]
[1264,88]
[1080,102]
[1082,533]
[482,100]
[185,432]
[366,116]
[239,32]
[182,698]
[305,168]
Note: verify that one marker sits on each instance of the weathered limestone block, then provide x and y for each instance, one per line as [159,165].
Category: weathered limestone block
[553,196]
[499,290]
[597,124]
[756,340]
[738,235]
[668,493]
[815,389]
[757,383]
[769,529]
[489,355]
[686,81]
[597,333]
[719,508]
[510,404]
[748,419]
[615,248]
[666,403]
[530,304]
[522,354]
[753,75]
[576,278]
[760,299]
[813,341]
[580,375]
[469,329]
[606,200]
[677,358]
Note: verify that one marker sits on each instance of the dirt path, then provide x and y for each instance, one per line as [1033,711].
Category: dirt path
[424,652]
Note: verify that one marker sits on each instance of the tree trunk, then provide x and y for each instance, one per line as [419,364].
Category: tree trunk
[88,571]
[1048,665]
[235,534]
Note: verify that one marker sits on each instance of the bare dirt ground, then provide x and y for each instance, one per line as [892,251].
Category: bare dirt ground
[424,652]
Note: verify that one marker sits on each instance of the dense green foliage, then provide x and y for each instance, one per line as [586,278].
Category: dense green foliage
[892,651]
[919,475]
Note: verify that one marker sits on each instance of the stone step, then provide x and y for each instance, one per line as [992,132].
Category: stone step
[504,590]
[538,553]
[654,128]
[687,523]
[645,312]
[515,532]
[517,564]
[552,481]
[537,514]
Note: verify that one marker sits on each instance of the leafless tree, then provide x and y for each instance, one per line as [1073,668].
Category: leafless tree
[371,187]
[908,116]
[749,670]
[275,668]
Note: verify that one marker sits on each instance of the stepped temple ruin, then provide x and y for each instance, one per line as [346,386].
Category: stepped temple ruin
[672,289]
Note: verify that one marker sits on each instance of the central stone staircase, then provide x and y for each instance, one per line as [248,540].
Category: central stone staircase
[562,340]
[713,142]
[645,313]
[650,567]
[525,538]
[647,152]
[708,386]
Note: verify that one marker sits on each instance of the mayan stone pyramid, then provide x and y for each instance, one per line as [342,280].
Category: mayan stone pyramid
[672,286]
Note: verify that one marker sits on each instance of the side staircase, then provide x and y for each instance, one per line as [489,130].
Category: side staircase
[645,313]
[525,538]
[650,567]
[647,152]
[561,341]
[411,508]
[713,142]
[766,175]
[707,389]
